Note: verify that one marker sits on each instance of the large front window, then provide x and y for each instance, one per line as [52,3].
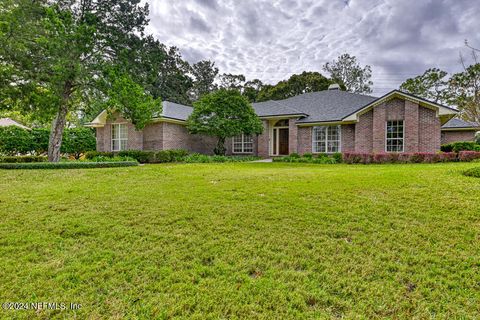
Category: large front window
[243,144]
[326,139]
[395,134]
[119,137]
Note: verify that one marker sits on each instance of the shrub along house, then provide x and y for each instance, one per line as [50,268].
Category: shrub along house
[321,122]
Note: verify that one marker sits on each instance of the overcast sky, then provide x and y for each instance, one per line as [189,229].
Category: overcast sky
[271,40]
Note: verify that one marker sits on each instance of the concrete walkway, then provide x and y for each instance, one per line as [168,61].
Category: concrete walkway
[263,160]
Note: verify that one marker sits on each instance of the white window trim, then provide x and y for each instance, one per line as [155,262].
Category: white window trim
[326,139]
[386,137]
[243,145]
[118,139]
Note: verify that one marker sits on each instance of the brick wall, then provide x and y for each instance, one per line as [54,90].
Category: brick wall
[429,130]
[153,136]
[176,136]
[454,136]
[264,140]
[348,138]
[304,143]
[364,133]
[421,125]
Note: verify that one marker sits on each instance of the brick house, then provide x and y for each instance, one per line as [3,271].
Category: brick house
[326,121]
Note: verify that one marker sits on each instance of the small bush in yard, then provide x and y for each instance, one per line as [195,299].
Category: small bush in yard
[113,159]
[139,155]
[460,146]
[22,159]
[474,172]
[321,158]
[467,156]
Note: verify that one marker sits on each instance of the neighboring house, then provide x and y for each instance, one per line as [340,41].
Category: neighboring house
[326,121]
[6,122]
[459,130]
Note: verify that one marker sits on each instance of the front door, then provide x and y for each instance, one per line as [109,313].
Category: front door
[283,142]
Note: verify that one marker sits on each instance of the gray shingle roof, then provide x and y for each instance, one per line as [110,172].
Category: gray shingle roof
[322,106]
[175,111]
[274,108]
[459,123]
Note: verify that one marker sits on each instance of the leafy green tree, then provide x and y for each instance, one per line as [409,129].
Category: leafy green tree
[251,89]
[232,81]
[223,114]
[347,71]
[464,92]
[59,56]
[204,74]
[431,85]
[295,85]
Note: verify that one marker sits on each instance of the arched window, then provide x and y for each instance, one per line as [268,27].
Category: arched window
[281,123]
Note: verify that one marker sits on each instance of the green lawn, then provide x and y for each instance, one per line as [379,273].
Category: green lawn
[252,240]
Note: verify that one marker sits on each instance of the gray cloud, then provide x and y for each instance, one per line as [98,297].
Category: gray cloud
[272,39]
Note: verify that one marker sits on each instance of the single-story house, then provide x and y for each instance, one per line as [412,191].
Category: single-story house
[320,122]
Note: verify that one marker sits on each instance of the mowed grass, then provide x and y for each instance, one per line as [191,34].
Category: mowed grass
[252,240]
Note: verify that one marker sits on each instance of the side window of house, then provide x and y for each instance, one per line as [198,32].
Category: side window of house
[119,137]
[243,144]
[326,139]
[394,139]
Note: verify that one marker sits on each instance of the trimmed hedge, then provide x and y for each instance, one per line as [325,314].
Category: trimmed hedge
[474,172]
[22,159]
[460,146]
[321,158]
[201,158]
[15,140]
[467,156]
[163,156]
[418,157]
[67,165]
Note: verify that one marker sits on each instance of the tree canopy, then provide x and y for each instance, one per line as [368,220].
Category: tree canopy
[59,56]
[223,114]
[345,70]
[460,89]
[295,85]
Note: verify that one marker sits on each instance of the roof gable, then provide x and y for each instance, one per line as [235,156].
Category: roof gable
[441,109]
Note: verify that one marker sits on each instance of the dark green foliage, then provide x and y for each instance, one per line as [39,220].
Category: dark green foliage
[321,158]
[67,165]
[162,156]
[92,154]
[15,140]
[474,172]
[22,159]
[460,146]
[295,85]
[139,155]
[77,141]
[477,137]
[201,158]
[111,159]
[223,114]
[40,138]
[338,157]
